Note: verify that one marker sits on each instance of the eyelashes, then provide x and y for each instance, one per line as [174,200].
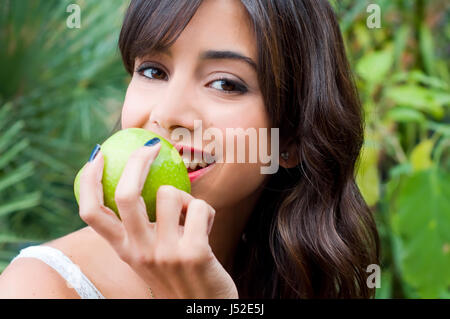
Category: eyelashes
[229,86]
[144,71]
[230,83]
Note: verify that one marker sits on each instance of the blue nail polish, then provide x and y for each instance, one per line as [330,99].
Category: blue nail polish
[152,142]
[94,152]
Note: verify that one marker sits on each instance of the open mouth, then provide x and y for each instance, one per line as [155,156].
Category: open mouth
[190,170]
[193,159]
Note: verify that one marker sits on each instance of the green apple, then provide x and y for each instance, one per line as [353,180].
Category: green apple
[167,169]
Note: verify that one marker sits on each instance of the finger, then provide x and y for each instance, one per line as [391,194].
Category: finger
[92,209]
[199,219]
[170,202]
[128,197]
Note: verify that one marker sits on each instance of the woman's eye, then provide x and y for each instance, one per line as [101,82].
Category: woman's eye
[152,73]
[224,85]
[228,86]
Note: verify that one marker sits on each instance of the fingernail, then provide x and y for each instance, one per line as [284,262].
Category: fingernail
[152,142]
[94,152]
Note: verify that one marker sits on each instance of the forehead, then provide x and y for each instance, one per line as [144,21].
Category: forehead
[218,25]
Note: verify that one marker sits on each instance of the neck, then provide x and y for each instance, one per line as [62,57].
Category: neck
[227,230]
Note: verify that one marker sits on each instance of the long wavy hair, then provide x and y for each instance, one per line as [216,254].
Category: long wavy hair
[311,235]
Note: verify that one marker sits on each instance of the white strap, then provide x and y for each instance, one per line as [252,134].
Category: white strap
[65,267]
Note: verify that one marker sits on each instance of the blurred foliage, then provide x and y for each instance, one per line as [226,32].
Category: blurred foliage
[61,91]
[402,73]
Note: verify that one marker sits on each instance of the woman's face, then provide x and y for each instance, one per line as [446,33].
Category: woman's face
[171,89]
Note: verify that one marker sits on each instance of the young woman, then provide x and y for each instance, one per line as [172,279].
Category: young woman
[304,232]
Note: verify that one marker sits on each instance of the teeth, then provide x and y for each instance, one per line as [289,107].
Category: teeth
[192,165]
[186,162]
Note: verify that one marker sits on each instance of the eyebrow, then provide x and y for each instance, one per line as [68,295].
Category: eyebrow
[219,55]
[213,55]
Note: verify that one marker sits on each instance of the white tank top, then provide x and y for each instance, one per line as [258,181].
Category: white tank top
[65,267]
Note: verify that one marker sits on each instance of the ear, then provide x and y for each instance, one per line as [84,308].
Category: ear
[292,159]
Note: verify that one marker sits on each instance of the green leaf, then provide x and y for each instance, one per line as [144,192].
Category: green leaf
[405,115]
[420,217]
[51,161]
[7,136]
[425,264]
[441,128]
[442,98]
[421,155]
[367,177]
[400,40]
[13,238]
[432,82]
[21,202]
[362,33]
[400,169]
[427,48]
[350,15]
[13,152]
[373,67]
[16,175]
[416,97]
[445,294]
[4,114]
[385,290]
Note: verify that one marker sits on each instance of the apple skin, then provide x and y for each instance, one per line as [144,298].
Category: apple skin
[167,169]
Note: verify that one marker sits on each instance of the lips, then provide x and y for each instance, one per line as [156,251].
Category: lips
[194,175]
[197,162]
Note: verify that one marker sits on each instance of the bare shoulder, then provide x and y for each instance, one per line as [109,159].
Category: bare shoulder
[101,265]
[82,246]
[32,278]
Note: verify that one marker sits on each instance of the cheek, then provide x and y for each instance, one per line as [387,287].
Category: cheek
[133,110]
[250,120]
[234,182]
[249,113]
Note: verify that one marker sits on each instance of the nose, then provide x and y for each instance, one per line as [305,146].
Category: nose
[176,109]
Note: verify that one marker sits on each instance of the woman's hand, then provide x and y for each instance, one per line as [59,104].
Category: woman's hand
[175,260]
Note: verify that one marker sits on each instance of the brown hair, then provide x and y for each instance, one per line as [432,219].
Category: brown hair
[311,234]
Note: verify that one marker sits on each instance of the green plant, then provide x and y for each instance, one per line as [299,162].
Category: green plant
[60,91]
[11,146]
[404,165]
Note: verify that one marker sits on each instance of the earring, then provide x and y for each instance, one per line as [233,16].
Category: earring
[285,155]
